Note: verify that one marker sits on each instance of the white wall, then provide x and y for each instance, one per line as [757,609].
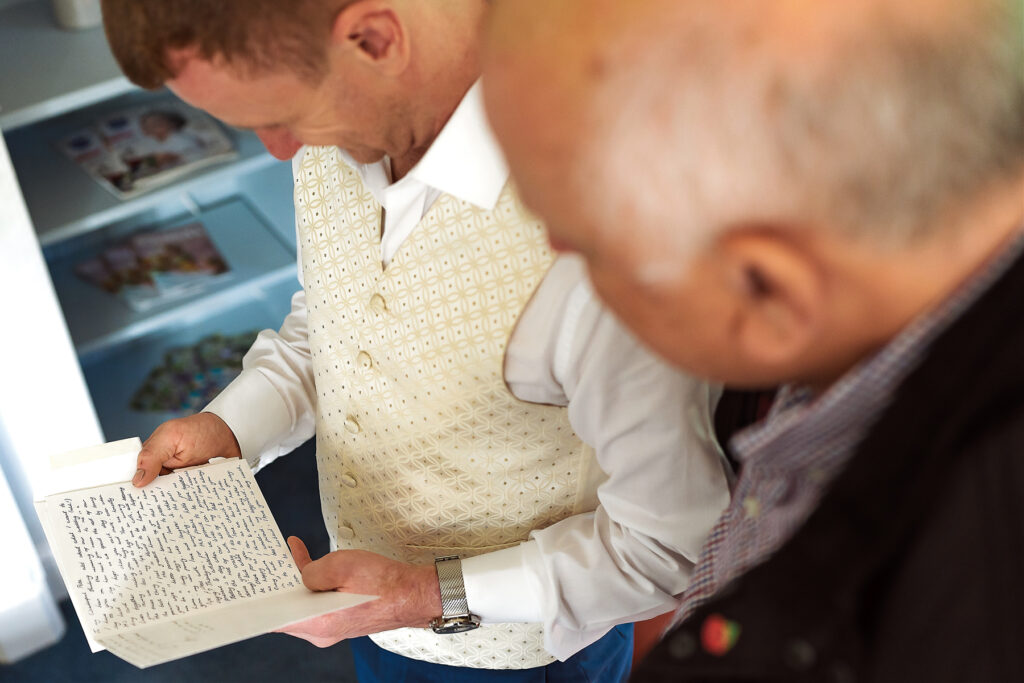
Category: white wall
[45,408]
[29,619]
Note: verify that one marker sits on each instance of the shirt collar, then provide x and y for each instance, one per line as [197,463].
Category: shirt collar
[464,161]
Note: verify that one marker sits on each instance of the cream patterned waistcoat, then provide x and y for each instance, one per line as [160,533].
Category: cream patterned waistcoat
[421,448]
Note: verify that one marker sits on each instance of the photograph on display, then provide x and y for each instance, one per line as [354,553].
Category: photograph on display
[152,267]
[132,151]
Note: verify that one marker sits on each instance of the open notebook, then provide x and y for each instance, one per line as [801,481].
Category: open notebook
[187,564]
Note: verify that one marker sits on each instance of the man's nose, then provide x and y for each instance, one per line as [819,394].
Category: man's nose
[280,143]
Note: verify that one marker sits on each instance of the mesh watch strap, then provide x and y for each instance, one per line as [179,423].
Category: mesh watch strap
[453,590]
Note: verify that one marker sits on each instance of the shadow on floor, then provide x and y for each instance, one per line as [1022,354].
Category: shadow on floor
[290,487]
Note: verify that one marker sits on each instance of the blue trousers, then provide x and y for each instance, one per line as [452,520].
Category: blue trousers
[606,661]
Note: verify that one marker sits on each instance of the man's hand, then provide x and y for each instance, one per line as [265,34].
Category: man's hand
[184,442]
[409,594]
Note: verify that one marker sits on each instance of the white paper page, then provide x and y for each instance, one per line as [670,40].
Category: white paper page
[193,540]
[53,535]
[165,641]
[107,464]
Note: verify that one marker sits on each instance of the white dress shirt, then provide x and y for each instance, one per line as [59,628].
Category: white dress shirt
[664,481]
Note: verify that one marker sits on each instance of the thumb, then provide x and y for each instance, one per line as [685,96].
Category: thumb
[299,552]
[326,574]
[154,453]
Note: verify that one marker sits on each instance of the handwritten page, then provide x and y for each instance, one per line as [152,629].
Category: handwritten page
[191,562]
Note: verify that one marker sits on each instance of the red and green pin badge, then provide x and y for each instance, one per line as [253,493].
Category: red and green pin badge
[718,635]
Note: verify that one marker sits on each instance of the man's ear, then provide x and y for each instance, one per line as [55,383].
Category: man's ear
[375,35]
[781,295]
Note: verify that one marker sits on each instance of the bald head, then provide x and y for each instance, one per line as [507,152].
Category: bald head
[794,145]
[870,117]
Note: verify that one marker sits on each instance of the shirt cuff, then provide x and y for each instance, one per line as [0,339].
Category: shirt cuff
[256,414]
[500,589]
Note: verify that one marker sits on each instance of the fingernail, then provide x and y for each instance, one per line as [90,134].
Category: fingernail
[138,476]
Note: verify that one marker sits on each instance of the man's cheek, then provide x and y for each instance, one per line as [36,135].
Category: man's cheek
[627,301]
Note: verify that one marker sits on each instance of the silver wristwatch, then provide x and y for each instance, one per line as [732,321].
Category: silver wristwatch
[455,616]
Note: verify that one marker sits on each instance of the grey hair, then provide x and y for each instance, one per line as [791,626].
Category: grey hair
[916,125]
[882,135]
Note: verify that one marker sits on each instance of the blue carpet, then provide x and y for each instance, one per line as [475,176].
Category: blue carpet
[290,487]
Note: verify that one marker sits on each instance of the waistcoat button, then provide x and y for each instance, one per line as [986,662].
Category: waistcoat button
[364,359]
[348,480]
[378,304]
[346,533]
[351,425]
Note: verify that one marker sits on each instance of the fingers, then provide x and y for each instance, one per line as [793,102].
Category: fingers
[319,641]
[299,552]
[183,442]
[316,640]
[322,631]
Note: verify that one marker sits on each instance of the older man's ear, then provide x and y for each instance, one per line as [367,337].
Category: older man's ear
[781,302]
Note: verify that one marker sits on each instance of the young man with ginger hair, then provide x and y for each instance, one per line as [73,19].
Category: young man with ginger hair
[452,369]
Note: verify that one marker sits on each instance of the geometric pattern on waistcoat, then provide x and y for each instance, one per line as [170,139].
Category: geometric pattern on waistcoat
[421,448]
